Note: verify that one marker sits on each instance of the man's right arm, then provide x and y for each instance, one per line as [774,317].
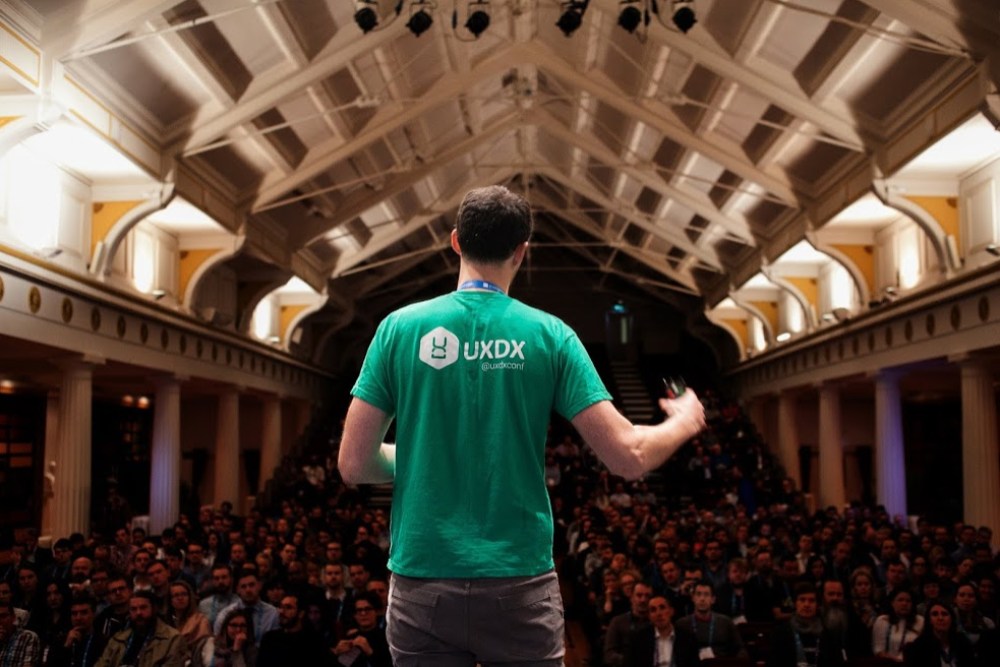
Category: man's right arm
[630,450]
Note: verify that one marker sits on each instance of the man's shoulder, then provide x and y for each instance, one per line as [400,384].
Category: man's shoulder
[165,631]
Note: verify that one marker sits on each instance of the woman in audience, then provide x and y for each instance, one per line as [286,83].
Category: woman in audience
[55,621]
[211,549]
[185,617]
[901,626]
[979,630]
[815,573]
[940,644]
[232,646]
[863,595]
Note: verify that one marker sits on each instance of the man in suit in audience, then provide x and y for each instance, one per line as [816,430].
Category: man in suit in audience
[623,627]
[659,644]
[716,635]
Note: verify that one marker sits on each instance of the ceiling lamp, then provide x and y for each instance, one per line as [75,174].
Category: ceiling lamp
[479,18]
[684,17]
[366,14]
[631,15]
[420,20]
[572,16]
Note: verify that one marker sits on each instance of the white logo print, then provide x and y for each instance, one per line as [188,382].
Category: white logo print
[439,348]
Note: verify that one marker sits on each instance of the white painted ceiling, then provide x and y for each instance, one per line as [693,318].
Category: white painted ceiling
[680,159]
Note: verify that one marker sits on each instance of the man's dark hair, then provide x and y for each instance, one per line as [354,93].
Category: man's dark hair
[84,598]
[491,223]
[222,566]
[371,598]
[146,595]
[704,584]
[803,588]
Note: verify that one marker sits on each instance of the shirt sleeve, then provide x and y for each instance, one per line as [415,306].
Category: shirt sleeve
[374,383]
[578,386]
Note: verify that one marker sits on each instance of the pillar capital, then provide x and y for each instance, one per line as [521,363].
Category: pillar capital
[78,363]
[887,375]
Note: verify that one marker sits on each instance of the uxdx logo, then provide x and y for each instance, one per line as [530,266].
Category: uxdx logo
[439,348]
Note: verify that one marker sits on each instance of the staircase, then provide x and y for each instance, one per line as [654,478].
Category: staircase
[633,395]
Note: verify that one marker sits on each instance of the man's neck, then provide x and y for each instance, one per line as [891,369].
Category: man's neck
[500,275]
[666,630]
[704,616]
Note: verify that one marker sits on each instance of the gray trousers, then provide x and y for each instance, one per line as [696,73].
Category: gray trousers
[515,621]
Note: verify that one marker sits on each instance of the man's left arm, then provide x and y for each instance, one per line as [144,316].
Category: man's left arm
[364,458]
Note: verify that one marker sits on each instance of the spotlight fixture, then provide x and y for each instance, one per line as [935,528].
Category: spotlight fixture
[684,17]
[366,14]
[782,337]
[572,16]
[631,15]
[48,252]
[158,294]
[420,19]
[993,249]
[479,18]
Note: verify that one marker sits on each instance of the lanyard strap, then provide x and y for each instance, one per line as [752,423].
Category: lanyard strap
[801,651]
[481,284]
[711,627]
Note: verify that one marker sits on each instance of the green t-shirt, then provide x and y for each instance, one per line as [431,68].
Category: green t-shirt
[472,378]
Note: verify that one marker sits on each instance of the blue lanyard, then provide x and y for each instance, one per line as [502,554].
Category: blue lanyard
[801,651]
[711,627]
[732,604]
[480,284]
[86,651]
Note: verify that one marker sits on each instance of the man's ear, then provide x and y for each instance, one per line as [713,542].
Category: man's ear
[519,253]
[454,243]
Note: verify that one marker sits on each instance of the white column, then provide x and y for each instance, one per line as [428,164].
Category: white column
[890,459]
[51,466]
[788,437]
[831,450]
[71,490]
[227,448]
[980,449]
[270,438]
[165,460]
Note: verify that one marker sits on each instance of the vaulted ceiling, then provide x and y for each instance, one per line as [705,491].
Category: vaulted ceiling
[659,162]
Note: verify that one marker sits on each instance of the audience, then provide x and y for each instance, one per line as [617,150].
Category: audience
[713,557]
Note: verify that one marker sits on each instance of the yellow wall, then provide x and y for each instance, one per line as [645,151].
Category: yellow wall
[289,313]
[945,211]
[741,329]
[863,258]
[769,309]
[807,286]
[189,261]
[106,214]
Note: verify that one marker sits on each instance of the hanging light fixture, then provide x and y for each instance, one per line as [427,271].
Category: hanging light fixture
[366,14]
[684,17]
[420,19]
[572,16]
[630,15]
[479,18]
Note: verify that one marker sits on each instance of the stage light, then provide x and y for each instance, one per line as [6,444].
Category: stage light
[993,249]
[782,337]
[630,16]
[684,17]
[420,20]
[366,14]
[479,18]
[572,16]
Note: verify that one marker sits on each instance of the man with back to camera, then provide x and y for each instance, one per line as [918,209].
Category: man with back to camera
[472,378]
